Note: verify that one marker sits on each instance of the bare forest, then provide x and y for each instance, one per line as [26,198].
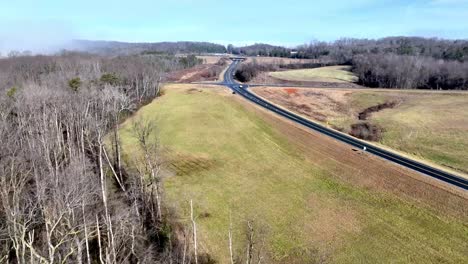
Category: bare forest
[393,62]
[65,194]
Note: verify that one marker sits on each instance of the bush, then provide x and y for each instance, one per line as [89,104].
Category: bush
[75,84]
[110,78]
[12,92]
[248,71]
[366,131]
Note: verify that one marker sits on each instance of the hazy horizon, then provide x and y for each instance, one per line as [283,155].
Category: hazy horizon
[39,27]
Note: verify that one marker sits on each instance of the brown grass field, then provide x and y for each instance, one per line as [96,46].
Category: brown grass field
[210,71]
[210,59]
[312,199]
[276,60]
[431,126]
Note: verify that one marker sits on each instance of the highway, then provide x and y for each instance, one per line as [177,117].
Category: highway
[427,170]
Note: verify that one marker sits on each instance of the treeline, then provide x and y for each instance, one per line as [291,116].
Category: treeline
[394,62]
[248,71]
[409,72]
[399,62]
[66,195]
[260,50]
[344,50]
[123,48]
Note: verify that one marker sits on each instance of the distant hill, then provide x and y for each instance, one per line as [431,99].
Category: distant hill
[261,49]
[125,48]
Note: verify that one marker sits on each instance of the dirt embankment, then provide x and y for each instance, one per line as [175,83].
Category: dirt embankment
[199,73]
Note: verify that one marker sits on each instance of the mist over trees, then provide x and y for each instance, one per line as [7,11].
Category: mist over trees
[66,195]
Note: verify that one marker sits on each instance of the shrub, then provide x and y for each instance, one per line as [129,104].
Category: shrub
[110,78]
[75,84]
[12,92]
[366,131]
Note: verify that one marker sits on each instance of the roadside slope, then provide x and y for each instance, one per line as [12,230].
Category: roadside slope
[425,125]
[309,196]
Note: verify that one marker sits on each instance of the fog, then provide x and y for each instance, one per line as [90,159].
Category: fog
[37,37]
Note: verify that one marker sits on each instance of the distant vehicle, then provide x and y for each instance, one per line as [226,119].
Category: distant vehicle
[240,86]
[233,92]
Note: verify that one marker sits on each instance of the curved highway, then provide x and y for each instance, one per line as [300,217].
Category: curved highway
[403,161]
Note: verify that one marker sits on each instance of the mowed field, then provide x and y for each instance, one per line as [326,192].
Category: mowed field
[432,126]
[322,74]
[310,199]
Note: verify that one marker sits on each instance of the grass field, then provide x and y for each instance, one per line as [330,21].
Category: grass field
[236,165]
[429,125]
[432,127]
[323,74]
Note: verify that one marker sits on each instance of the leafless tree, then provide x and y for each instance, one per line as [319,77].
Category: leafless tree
[66,196]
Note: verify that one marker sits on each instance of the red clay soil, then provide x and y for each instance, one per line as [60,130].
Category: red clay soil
[291,91]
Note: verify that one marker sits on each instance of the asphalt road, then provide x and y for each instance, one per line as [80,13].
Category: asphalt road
[243,90]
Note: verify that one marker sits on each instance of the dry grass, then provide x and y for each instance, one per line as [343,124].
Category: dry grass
[210,59]
[311,198]
[431,126]
[323,74]
[199,73]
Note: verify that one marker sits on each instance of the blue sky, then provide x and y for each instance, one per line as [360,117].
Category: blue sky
[27,23]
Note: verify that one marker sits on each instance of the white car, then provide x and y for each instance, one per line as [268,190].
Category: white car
[240,86]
